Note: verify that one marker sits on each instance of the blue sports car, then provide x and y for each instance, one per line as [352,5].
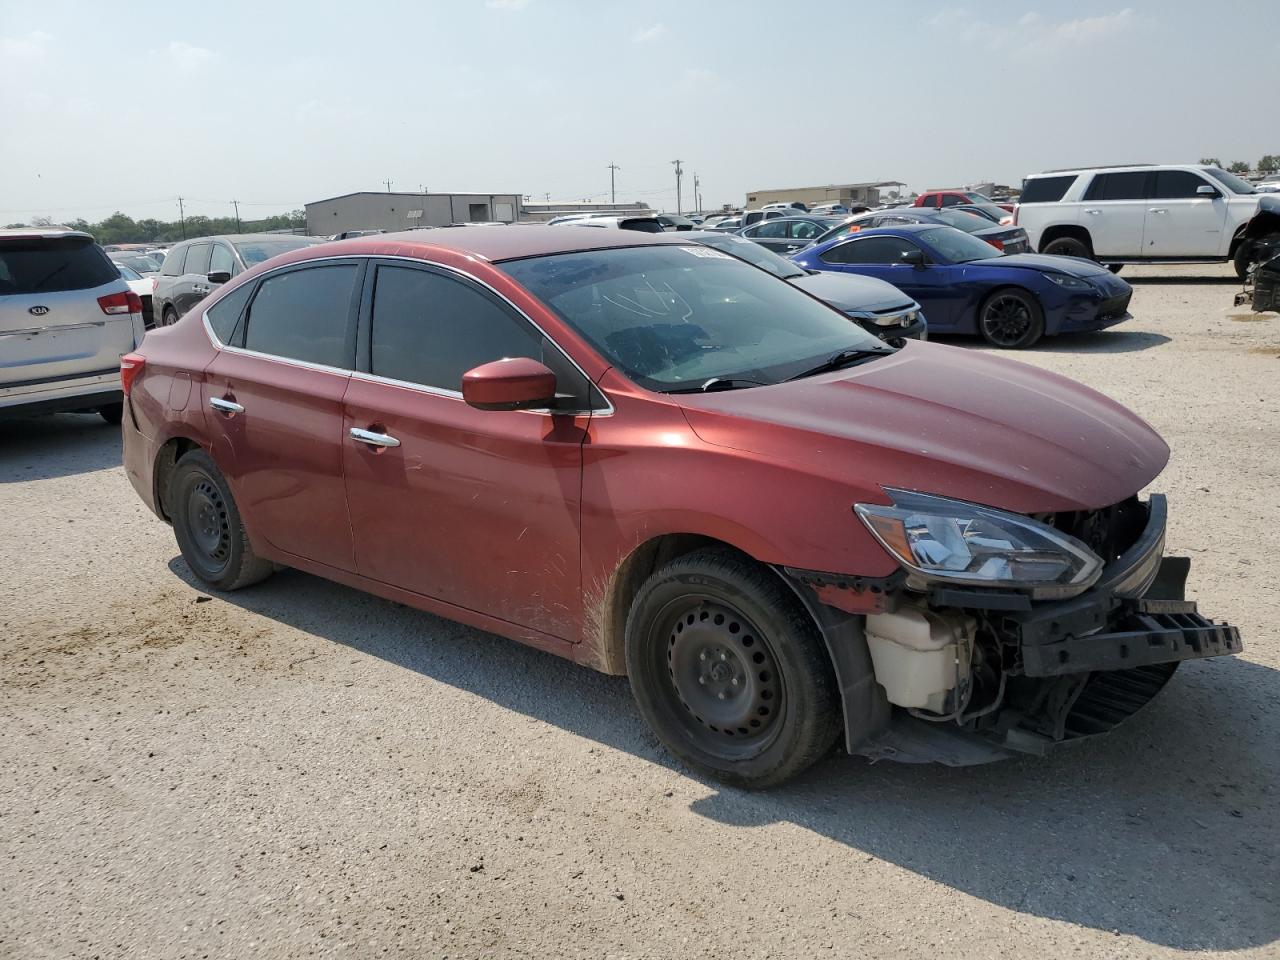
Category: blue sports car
[1012,300]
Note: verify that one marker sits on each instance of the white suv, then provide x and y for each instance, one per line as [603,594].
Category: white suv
[1149,213]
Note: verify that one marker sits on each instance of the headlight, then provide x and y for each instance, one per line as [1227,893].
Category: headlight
[904,319]
[951,541]
[1067,282]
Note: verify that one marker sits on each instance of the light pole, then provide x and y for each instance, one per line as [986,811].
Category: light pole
[613,193]
[679,173]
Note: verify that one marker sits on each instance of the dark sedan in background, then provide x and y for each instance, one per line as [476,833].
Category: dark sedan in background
[878,307]
[1006,239]
[790,233]
[194,268]
[1012,301]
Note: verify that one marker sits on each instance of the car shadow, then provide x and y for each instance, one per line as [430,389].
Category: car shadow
[1166,281]
[1163,830]
[56,445]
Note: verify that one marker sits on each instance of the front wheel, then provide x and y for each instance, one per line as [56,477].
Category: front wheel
[1011,319]
[729,671]
[206,523]
[1115,267]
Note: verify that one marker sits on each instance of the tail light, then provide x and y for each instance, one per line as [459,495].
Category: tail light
[114,304]
[131,365]
[998,244]
[1004,222]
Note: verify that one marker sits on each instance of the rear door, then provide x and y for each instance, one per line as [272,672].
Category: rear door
[477,508]
[1114,211]
[273,403]
[168,282]
[63,311]
[771,234]
[1181,222]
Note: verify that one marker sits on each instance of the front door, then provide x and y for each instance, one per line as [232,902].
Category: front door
[1181,222]
[194,282]
[273,403]
[933,285]
[480,509]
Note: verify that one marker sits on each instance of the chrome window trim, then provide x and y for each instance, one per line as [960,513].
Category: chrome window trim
[607,411]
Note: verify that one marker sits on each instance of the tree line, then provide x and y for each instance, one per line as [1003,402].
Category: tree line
[120,228]
[1270,163]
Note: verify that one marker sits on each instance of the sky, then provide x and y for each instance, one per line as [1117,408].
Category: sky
[107,107]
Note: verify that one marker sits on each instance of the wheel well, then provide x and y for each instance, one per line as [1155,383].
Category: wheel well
[608,605]
[166,460]
[1235,240]
[1051,234]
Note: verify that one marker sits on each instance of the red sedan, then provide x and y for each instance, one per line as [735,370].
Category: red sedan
[653,458]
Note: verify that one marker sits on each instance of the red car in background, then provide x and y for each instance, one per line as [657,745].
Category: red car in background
[961,198]
[651,457]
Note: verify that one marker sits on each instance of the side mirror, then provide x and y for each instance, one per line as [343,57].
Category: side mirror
[218,276]
[1205,190]
[914,258]
[514,384]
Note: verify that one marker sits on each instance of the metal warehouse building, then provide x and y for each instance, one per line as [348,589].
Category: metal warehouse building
[867,194]
[400,211]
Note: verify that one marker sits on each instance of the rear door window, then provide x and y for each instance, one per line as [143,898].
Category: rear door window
[305,315]
[774,229]
[1129,185]
[198,258]
[51,265]
[952,200]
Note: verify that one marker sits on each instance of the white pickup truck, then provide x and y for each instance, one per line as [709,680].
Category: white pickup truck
[1149,213]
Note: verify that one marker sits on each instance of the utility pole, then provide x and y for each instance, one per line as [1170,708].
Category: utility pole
[697,197]
[388,183]
[548,197]
[613,193]
[679,173]
[182,219]
[236,204]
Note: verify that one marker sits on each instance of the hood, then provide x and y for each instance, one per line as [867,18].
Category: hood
[1044,263]
[847,291]
[947,421]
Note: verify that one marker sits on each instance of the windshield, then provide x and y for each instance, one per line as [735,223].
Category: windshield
[42,265]
[1230,180]
[255,251]
[128,272]
[677,317]
[754,254]
[956,245]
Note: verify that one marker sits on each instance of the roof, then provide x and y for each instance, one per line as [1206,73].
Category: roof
[497,243]
[48,233]
[418,194]
[238,237]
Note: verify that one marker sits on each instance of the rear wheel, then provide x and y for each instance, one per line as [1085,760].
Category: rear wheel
[729,671]
[112,413]
[1011,319]
[169,317]
[1115,267]
[1068,247]
[206,523]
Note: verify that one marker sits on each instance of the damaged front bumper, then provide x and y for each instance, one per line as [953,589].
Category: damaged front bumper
[1049,673]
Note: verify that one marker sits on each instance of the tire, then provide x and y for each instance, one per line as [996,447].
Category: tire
[1011,319]
[206,523]
[1115,267]
[169,317]
[729,671]
[113,413]
[1068,247]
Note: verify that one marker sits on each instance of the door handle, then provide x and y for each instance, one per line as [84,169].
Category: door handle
[1158,210]
[373,439]
[225,406]
[1094,212]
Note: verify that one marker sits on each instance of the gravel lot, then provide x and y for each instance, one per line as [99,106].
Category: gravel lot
[302,770]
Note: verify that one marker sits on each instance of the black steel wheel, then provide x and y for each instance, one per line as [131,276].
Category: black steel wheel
[1011,319]
[729,670]
[206,523]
